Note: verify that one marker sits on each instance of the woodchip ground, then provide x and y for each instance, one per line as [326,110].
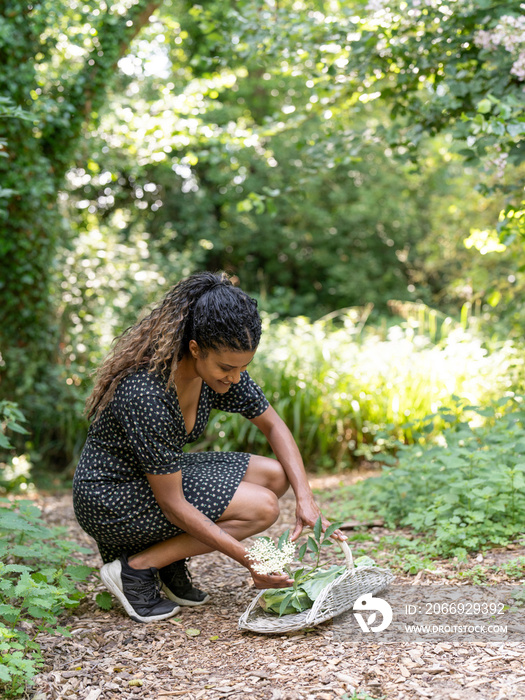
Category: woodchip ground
[201,655]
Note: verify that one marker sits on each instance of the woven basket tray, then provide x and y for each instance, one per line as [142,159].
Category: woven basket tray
[338,597]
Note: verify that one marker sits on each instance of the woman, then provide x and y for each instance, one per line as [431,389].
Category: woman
[149,505]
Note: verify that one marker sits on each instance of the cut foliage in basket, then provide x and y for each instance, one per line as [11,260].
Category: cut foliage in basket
[317,593]
[286,601]
[308,581]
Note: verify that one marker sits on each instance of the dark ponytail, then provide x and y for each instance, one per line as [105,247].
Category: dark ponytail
[223,317]
[204,307]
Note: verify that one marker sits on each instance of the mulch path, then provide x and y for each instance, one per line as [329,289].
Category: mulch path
[200,654]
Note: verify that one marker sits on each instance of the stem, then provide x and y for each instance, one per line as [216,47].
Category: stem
[291,575]
[306,576]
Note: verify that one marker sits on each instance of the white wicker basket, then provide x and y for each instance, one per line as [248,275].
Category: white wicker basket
[338,597]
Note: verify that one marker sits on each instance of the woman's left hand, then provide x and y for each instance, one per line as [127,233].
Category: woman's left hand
[306,515]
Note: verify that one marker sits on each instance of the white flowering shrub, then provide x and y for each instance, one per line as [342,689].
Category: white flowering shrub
[509,33]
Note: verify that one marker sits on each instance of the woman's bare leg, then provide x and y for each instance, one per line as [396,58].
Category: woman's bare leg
[267,472]
[252,509]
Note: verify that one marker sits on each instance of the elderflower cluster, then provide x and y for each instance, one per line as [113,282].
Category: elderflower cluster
[510,34]
[268,558]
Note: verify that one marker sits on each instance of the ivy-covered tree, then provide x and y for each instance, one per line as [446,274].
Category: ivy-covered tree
[56,62]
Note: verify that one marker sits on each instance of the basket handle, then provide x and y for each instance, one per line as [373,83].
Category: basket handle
[348,554]
[349,560]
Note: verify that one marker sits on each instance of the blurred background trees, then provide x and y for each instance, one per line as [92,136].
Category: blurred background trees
[327,154]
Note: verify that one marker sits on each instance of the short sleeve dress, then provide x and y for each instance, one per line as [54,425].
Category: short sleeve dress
[142,431]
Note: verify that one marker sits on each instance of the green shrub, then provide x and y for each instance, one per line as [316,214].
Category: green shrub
[463,492]
[14,472]
[38,583]
[11,418]
[348,391]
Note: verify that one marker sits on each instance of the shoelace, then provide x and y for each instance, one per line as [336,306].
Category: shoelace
[149,590]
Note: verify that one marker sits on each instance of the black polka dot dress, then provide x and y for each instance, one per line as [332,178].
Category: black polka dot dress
[142,431]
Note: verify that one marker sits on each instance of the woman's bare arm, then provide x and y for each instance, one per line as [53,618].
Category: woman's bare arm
[167,489]
[285,449]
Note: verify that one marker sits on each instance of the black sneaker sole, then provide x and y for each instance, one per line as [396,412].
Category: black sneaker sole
[183,601]
[110,575]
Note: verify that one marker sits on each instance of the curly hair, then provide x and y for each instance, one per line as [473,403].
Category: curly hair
[204,307]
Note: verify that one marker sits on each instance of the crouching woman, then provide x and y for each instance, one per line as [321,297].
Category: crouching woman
[149,505]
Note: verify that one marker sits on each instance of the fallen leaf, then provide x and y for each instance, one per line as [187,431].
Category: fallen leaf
[136,682]
[191,632]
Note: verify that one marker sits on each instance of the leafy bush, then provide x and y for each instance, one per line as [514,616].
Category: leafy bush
[463,492]
[14,471]
[38,582]
[347,391]
[11,418]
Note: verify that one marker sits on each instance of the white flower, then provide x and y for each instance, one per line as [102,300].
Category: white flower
[268,558]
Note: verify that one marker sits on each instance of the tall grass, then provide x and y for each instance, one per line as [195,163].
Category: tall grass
[346,389]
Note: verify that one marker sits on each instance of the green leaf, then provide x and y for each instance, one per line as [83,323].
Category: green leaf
[5,444]
[484,106]
[321,578]
[283,538]
[18,428]
[104,600]
[302,551]
[364,561]
[39,577]
[318,528]
[331,529]
[9,613]
[79,572]
[284,603]
[312,544]
[40,613]
[298,573]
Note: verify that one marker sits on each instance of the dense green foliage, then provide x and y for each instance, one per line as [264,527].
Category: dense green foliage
[437,65]
[349,390]
[146,140]
[11,419]
[343,160]
[38,583]
[464,492]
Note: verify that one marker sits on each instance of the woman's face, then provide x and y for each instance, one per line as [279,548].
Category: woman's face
[220,368]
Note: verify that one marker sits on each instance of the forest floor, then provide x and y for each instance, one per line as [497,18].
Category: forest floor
[200,654]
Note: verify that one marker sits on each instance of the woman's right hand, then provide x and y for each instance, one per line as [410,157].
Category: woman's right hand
[270,580]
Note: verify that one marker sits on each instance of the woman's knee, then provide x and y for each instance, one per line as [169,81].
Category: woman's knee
[267,472]
[266,507]
[254,504]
